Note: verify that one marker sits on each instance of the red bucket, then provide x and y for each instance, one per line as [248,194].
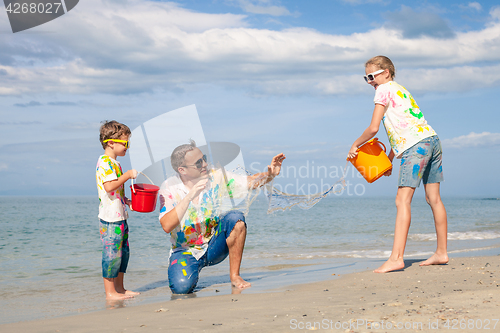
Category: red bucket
[144,197]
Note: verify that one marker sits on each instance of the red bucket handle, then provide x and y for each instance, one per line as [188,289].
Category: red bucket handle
[132,181]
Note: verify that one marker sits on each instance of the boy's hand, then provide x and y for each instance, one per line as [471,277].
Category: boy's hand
[132,174]
[128,202]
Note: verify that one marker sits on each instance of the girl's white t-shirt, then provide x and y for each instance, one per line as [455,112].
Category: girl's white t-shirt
[403,121]
[112,207]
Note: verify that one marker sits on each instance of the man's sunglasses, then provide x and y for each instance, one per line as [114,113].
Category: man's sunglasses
[198,164]
[371,76]
[116,140]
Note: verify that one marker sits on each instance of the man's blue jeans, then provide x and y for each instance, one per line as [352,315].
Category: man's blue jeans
[184,269]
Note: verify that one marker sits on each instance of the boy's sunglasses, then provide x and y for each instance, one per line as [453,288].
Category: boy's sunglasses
[116,140]
[371,76]
[198,164]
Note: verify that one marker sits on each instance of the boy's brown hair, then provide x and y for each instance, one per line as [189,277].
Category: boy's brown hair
[112,130]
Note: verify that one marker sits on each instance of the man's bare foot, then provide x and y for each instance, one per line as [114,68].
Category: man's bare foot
[436,259]
[117,296]
[391,265]
[129,292]
[238,282]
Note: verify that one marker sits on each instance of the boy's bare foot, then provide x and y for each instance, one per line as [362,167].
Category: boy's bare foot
[128,292]
[391,265]
[436,259]
[238,282]
[117,296]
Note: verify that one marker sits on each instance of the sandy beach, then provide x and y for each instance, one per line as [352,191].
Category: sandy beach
[462,296]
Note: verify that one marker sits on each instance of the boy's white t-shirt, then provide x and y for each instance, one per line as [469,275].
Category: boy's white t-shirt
[403,121]
[112,207]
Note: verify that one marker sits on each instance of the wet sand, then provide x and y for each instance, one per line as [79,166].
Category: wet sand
[462,296]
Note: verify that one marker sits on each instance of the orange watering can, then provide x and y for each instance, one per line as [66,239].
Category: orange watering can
[371,161]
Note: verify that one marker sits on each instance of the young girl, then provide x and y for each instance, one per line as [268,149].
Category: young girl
[418,146]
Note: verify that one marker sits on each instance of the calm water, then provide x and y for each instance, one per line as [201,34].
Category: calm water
[50,248]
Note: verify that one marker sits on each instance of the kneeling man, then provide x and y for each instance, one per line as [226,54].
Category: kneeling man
[201,234]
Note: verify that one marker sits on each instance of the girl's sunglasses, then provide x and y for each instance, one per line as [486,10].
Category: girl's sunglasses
[198,164]
[371,76]
[116,140]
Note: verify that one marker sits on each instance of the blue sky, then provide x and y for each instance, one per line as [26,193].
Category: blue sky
[271,76]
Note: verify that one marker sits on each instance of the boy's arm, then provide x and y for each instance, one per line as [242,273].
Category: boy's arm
[113,185]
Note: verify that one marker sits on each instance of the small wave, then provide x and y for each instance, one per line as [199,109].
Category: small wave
[358,254]
[468,235]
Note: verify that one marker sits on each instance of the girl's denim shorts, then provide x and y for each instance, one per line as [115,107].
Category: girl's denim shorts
[422,162]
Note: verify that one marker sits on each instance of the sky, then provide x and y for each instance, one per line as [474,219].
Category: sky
[271,76]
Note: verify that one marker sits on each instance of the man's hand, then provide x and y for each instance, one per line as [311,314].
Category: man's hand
[275,167]
[197,189]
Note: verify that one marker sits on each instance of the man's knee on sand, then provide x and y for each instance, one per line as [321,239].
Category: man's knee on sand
[183,284]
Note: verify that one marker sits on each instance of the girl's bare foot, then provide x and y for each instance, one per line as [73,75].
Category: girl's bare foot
[391,265]
[436,259]
[238,282]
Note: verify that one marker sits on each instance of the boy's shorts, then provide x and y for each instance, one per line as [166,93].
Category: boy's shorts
[423,161]
[115,248]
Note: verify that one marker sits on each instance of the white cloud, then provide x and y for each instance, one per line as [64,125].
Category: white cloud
[3,166]
[140,46]
[273,10]
[472,139]
[495,13]
[475,5]
[414,24]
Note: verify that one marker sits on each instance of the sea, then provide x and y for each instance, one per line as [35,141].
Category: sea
[50,262]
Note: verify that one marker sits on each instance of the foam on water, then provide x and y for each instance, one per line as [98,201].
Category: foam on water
[467,235]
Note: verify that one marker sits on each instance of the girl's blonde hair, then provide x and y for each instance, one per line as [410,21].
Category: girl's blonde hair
[382,62]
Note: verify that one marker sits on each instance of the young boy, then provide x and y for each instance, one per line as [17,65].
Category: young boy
[112,211]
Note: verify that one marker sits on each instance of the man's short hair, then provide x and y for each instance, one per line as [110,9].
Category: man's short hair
[179,153]
[112,130]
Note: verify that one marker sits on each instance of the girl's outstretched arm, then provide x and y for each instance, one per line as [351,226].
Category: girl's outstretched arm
[378,114]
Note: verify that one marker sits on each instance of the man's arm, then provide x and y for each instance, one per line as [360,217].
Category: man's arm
[273,170]
[172,219]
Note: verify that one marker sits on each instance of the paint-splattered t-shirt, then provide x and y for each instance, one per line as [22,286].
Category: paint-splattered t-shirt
[199,223]
[112,207]
[403,121]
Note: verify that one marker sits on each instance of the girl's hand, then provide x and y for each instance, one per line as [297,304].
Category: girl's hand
[388,173]
[353,152]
